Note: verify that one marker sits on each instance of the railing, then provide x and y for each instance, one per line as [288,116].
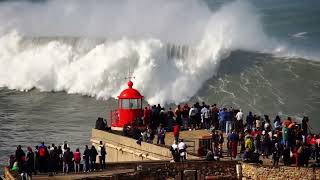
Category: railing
[114,117]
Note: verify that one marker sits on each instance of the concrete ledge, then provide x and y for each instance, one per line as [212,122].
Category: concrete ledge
[120,148]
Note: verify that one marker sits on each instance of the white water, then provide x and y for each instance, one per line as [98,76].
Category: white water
[136,35]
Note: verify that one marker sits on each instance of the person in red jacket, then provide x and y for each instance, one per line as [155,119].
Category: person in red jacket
[176,131]
[77,159]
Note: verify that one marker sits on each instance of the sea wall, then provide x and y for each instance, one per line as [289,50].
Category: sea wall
[120,148]
[252,171]
[192,169]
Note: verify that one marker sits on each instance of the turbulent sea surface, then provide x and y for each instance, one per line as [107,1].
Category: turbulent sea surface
[57,75]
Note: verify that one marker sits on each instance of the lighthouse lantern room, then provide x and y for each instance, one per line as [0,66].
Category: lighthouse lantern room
[129,108]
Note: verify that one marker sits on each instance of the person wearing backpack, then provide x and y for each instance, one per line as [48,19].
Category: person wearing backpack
[102,156]
[77,159]
[43,158]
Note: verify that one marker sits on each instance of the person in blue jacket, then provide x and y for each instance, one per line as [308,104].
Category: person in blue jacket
[222,119]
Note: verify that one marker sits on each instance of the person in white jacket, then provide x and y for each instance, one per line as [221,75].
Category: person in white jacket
[182,150]
[102,156]
[239,122]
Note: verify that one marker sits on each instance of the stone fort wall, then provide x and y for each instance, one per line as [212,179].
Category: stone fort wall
[252,171]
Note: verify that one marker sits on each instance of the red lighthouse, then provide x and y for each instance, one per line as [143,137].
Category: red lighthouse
[129,108]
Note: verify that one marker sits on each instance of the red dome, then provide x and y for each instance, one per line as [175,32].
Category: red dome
[130,93]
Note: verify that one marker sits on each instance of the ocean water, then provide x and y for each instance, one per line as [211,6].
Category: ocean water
[62,63]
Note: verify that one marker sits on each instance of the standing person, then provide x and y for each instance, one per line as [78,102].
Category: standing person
[221,141]
[77,160]
[161,135]
[304,125]
[233,138]
[276,153]
[146,116]
[214,111]
[277,123]
[193,117]
[20,157]
[170,116]
[66,161]
[304,128]
[176,131]
[60,155]
[93,158]
[257,142]
[43,158]
[175,152]
[150,135]
[163,118]
[37,156]
[30,162]
[250,121]
[285,135]
[266,145]
[177,113]
[182,150]
[185,116]
[205,117]
[86,158]
[215,140]
[239,122]
[222,119]
[53,160]
[56,159]
[198,116]
[228,118]
[258,123]
[102,156]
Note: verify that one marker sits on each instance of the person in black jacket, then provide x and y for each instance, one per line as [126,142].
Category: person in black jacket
[276,153]
[20,157]
[54,160]
[93,157]
[30,162]
[86,158]
[66,161]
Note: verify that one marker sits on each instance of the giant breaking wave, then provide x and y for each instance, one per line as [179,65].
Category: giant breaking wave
[172,47]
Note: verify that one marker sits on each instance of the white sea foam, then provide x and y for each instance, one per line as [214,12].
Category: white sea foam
[137,35]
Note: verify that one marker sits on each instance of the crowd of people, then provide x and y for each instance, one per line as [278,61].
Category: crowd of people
[54,159]
[253,135]
[248,137]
